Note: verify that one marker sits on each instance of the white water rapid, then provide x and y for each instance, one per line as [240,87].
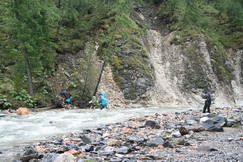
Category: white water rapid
[18,130]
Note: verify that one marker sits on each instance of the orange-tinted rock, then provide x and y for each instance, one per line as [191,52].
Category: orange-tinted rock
[23,111]
[73,152]
[126,130]
[134,124]
[76,139]
[42,149]
[160,146]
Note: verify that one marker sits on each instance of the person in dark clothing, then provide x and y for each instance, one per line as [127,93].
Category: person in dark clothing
[67,96]
[207,104]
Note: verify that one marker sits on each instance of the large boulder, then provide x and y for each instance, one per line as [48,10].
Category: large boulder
[214,124]
[23,111]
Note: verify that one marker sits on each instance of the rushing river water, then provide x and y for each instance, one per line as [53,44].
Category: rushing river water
[18,130]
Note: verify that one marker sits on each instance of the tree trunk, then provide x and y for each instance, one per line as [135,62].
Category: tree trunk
[98,82]
[29,74]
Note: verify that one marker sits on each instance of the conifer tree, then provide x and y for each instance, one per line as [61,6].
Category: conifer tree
[30,26]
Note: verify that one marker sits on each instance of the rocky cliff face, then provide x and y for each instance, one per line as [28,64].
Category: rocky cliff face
[181,77]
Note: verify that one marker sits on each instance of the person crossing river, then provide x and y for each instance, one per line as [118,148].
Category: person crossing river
[103,100]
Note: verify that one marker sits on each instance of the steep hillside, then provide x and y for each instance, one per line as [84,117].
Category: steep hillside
[155,52]
[185,71]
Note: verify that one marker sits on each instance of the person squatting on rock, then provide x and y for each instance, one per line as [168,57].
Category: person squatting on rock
[103,100]
[94,102]
[66,97]
[207,104]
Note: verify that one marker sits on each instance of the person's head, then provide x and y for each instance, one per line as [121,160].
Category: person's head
[100,95]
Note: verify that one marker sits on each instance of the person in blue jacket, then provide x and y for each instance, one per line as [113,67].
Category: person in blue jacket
[103,100]
[67,96]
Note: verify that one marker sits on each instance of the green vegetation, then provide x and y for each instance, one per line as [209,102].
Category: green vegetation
[38,36]
[220,21]
[35,35]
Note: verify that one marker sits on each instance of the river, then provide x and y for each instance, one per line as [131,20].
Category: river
[24,130]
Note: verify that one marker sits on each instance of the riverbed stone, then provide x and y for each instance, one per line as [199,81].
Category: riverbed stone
[152,124]
[143,144]
[66,157]
[230,122]
[168,144]
[176,134]
[114,142]
[87,139]
[170,126]
[49,157]
[155,142]
[89,148]
[123,150]
[29,154]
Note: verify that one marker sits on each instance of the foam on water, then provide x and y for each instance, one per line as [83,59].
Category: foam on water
[18,130]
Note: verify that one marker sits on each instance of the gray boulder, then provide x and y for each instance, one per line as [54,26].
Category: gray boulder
[153,124]
[155,142]
[50,157]
[230,122]
[214,124]
[170,126]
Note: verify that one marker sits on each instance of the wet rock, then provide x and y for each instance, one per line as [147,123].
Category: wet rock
[29,154]
[16,160]
[23,111]
[89,148]
[2,115]
[155,142]
[152,124]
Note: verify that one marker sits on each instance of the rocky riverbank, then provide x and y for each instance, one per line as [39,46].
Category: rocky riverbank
[178,136]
